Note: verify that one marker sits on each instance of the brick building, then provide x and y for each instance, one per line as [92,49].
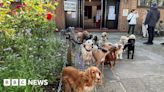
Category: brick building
[101,14]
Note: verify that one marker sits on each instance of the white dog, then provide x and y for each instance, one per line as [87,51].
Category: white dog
[86,50]
[123,40]
[104,38]
[119,50]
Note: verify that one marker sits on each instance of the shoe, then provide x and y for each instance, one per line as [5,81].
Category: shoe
[145,43]
[148,43]
[162,43]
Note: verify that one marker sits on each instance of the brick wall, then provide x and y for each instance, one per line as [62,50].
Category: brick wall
[60,16]
[132,4]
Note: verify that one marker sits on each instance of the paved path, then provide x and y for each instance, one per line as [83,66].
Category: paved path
[145,73]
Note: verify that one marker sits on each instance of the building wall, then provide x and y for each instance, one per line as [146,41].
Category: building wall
[60,15]
[122,22]
[132,4]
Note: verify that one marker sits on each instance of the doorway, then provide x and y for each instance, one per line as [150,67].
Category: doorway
[92,14]
[110,14]
[97,14]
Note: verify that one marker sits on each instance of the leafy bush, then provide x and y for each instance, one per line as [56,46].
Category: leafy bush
[28,48]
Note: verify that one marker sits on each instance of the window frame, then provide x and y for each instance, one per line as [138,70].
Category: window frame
[145,6]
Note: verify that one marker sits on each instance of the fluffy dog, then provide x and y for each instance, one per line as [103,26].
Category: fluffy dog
[130,45]
[84,35]
[86,51]
[119,50]
[111,55]
[123,40]
[104,38]
[81,81]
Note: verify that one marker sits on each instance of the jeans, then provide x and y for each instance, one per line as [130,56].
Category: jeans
[151,34]
[131,29]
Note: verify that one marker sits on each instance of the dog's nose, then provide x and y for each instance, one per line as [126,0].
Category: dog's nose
[98,79]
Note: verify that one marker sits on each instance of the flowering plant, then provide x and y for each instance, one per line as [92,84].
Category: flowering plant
[28,47]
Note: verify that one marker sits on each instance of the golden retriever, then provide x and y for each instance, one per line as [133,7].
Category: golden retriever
[75,80]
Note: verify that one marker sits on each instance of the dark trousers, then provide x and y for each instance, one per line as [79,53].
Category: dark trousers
[131,29]
[151,34]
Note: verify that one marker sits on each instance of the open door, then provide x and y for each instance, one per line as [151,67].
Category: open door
[92,16]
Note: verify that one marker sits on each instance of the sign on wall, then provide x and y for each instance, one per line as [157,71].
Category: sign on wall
[125,12]
[69,6]
[111,13]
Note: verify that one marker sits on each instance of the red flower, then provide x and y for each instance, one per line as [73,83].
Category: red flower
[49,16]
[19,6]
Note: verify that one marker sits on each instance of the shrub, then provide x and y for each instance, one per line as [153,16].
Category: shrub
[28,49]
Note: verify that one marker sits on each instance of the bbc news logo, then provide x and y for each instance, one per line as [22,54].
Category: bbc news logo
[23,82]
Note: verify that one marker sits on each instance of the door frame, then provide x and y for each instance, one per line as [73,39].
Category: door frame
[83,11]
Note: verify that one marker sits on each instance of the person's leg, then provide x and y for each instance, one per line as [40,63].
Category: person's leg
[151,34]
[129,29]
[133,27]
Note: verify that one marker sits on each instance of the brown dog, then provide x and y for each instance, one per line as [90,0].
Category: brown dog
[81,81]
[81,36]
[100,54]
[111,57]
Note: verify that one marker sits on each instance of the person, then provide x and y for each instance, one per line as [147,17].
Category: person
[144,27]
[151,20]
[132,19]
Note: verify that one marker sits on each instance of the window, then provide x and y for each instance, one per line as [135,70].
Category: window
[147,3]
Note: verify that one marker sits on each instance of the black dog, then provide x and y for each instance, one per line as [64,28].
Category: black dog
[131,47]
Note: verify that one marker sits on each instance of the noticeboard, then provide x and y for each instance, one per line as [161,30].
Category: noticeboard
[69,6]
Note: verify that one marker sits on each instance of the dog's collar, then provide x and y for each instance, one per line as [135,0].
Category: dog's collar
[87,49]
[103,50]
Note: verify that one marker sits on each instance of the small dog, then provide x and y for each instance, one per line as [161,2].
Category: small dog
[119,50]
[81,81]
[82,36]
[130,45]
[96,40]
[123,40]
[86,51]
[104,38]
[111,55]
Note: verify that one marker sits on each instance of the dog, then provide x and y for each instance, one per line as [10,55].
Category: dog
[119,50]
[86,51]
[123,40]
[130,45]
[82,36]
[111,55]
[100,54]
[96,40]
[75,80]
[104,38]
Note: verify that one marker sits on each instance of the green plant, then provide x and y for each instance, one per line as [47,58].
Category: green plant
[28,47]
